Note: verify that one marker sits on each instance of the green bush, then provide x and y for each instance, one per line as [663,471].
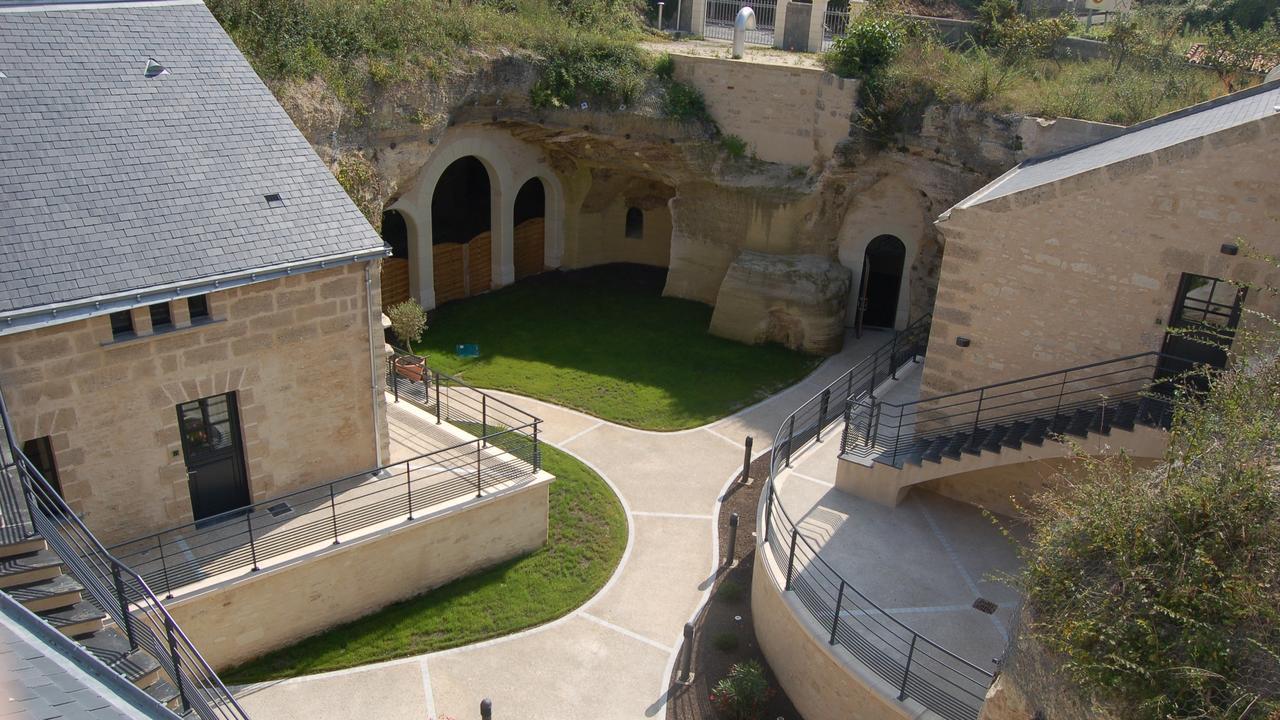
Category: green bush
[871,42]
[730,592]
[743,694]
[1161,587]
[735,146]
[683,102]
[589,68]
[664,67]
[408,322]
[725,642]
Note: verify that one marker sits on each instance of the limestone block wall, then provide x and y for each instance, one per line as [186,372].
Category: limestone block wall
[1005,489]
[787,114]
[243,618]
[295,351]
[1088,268]
[794,301]
[824,682]
[598,201]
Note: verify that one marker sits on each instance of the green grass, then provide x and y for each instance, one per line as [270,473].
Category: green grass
[603,341]
[587,536]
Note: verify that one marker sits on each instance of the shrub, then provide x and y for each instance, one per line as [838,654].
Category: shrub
[871,42]
[737,149]
[1161,587]
[408,322]
[683,102]
[743,694]
[664,67]
[589,68]
[725,642]
[730,592]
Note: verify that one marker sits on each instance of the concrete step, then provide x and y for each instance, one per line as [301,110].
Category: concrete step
[80,619]
[112,647]
[59,592]
[29,568]
[165,693]
[22,547]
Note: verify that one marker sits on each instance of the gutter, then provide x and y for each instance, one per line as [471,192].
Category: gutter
[373,364]
[15,321]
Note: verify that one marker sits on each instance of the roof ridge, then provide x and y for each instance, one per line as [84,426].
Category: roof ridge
[33,6]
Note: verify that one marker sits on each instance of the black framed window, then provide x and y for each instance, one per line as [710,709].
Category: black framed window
[161,317]
[121,324]
[40,452]
[1208,301]
[198,306]
[635,223]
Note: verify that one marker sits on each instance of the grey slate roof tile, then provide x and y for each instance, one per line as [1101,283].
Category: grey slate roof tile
[1188,124]
[112,182]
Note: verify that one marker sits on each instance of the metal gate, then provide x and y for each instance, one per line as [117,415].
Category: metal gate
[835,22]
[721,14]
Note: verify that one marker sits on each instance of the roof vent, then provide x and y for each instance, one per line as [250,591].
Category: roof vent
[274,200]
[155,69]
[2,75]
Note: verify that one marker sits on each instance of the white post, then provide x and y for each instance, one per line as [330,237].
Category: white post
[745,21]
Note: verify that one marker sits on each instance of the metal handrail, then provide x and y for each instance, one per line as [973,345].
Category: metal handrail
[116,589]
[245,537]
[891,432]
[918,667]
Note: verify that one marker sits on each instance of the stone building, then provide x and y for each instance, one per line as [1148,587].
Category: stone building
[189,302]
[1099,251]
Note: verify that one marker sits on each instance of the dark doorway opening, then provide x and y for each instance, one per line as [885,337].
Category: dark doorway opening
[460,204]
[882,267]
[40,452]
[1201,327]
[395,269]
[210,429]
[635,223]
[530,240]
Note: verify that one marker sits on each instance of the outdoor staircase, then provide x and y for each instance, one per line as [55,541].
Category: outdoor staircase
[33,575]
[1151,412]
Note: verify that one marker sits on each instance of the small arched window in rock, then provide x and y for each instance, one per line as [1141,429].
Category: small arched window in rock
[635,223]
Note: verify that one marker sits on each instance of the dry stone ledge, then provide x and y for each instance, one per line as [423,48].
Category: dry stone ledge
[796,300]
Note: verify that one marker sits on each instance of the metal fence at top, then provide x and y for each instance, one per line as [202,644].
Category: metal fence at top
[835,22]
[504,451]
[720,15]
[122,594]
[916,666]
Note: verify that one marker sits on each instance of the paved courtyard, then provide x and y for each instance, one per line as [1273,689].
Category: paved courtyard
[612,657]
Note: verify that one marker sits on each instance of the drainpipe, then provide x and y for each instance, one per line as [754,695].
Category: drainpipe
[745,21]
[373,362]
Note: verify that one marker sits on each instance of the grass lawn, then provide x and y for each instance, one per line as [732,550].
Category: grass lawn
[604,341]
[587,537]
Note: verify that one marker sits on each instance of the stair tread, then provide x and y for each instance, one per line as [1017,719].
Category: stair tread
[112,647]
[70,615]
[21,546]
[39,589]
[28,561]
[162,691]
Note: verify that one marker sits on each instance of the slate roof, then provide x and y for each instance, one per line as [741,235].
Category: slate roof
[112,182]
[1165,131]
[45,676]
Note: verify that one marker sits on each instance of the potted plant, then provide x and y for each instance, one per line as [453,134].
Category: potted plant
[408,322]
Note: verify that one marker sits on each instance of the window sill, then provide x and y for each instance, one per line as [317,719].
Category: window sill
[133,338]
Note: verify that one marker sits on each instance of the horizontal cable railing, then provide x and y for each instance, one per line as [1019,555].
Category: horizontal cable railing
[504,451]
[1099,393]
[122,594]
[916,666]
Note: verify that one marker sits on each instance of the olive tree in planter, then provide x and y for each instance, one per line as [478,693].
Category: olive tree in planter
[408,322]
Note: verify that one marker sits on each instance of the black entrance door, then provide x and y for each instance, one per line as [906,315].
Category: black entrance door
[210,430]
[1202,326]
[881,280]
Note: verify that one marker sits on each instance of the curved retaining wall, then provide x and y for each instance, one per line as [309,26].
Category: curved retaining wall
[824,682]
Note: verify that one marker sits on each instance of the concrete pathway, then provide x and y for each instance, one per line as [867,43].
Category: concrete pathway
[612,657]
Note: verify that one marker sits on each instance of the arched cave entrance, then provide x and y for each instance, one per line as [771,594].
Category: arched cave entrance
[882,268]
[461,224]
[530,233]
[395,269]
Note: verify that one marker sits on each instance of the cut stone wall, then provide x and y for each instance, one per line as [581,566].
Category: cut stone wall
[249,616]
[787,114]
[295,351]
[796,301]
[1087,268]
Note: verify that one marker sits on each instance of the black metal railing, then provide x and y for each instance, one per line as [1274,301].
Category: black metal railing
[811,419]
[122,594]
[893,433]
[918,667]
[504,451]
